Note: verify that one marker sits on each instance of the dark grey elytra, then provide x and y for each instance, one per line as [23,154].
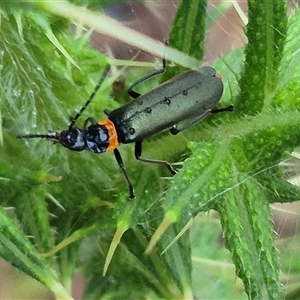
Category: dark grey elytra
[184,97]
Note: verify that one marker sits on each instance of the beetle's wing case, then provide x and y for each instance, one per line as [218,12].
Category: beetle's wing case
[181,98]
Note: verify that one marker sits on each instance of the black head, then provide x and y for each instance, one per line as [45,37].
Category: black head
[72,138]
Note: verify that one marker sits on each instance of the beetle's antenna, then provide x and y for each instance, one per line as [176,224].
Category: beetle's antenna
[89,100]
[54,136]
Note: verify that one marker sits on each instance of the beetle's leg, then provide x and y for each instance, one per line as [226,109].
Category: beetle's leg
[134,94]
[121,165]
[71,119]
[138,156]
[91,120]
[107,112]
[218,110]
[174,130]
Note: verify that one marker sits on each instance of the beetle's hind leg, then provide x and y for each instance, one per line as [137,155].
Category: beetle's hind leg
[138,156]
[174,130]
[218,110]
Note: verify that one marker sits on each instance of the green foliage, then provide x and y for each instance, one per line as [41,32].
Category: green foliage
[70,211]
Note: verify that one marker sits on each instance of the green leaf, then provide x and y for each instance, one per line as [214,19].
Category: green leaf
[19,251]
[188,32]
[266,32]
[249,237]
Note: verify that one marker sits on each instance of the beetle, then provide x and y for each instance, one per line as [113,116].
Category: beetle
[187,98]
